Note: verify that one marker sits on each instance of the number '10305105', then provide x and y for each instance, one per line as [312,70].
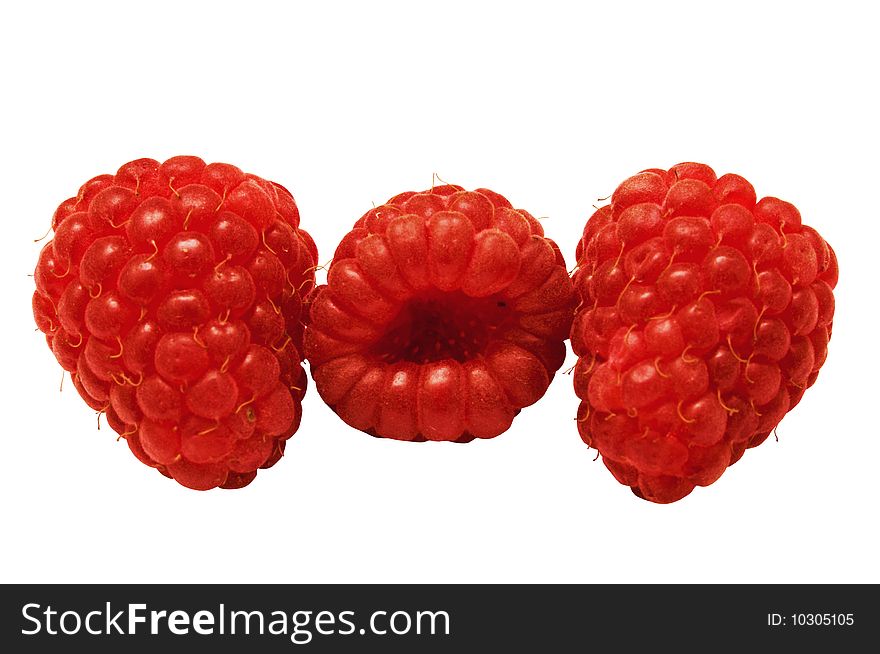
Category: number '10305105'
[811,620]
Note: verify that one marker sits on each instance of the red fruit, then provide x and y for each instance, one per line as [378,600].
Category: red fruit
[445,313]
[704,315]
[158,297]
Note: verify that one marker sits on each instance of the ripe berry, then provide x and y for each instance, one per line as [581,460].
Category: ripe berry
[444,313]
[704,316]
[172,294]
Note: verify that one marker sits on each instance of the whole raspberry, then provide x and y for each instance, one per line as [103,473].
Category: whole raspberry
[704,317]
[445,313]
[172,294]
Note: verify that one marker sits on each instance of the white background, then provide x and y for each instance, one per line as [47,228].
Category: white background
[549,103]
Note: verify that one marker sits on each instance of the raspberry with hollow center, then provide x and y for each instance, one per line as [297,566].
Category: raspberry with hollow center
[704,316]
[444,314]
[172,293]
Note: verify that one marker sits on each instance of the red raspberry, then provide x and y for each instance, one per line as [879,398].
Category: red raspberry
[445,313]
[704,317]
[172,293]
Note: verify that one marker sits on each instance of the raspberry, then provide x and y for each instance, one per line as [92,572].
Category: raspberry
[444,314]
[172,293]
[704,317]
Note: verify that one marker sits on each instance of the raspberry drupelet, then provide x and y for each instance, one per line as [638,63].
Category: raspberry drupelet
[704,316]
[172,293]
[444,314]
